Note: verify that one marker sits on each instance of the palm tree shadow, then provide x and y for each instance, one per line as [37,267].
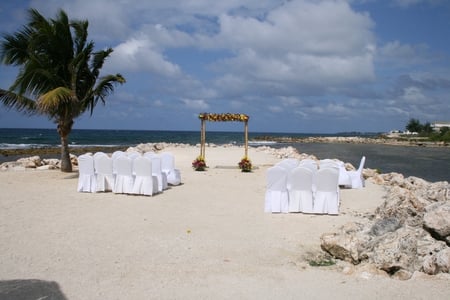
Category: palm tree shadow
[27,289]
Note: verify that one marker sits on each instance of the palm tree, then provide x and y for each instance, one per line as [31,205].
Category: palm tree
[58,73]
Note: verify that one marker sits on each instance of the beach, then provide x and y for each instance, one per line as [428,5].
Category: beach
[207,238]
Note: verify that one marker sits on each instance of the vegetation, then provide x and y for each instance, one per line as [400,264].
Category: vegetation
[425,130]
[59,72]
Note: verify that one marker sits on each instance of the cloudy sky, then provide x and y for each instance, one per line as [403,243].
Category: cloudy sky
[307,66]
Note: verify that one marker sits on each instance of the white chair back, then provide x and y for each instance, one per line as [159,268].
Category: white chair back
[276,198]
[86,174]
[156,170]
[289,163]
[326,198]
[117,154]
[124,178]
[300,188]
[357,179]
[168,167]
[144,183]
[103,166]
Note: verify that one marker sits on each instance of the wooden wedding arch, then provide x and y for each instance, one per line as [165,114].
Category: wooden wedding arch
[225,117]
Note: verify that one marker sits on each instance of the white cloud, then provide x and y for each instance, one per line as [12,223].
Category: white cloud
[196,104]
[138,54]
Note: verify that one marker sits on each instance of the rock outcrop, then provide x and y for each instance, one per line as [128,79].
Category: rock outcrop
[408,233]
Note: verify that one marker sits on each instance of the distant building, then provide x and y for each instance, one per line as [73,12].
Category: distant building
[439,124]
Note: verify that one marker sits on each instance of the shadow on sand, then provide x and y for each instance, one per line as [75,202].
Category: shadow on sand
[27,289]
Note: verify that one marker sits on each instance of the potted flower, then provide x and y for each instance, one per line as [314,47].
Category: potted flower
[199,164]
[245,164]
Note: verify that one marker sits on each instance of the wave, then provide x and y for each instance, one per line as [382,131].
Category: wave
[6,146]
[261,143]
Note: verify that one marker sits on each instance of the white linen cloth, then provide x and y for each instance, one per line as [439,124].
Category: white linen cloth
[86,175]
[168,167]
[326,195]
[300,189]
[276,197]
[144,182]
[123,183]
[103,166]
[357,179]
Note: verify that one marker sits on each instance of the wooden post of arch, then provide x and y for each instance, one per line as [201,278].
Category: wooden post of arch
[202,138]
[246,137]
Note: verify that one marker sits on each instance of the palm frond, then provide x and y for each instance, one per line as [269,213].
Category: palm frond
[54,99]
[20,103]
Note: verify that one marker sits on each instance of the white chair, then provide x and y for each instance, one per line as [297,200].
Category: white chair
[309,164]
[144,182]
[86,175]
[99,153]
[103,166]
[300,189]
[357,179]
[168,167]
[117,154]
[123,183]
[156,171]
[288,163]
[276,198]
[133,154]
[326,195]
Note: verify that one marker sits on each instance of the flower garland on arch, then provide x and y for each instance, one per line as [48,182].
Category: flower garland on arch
[225,117]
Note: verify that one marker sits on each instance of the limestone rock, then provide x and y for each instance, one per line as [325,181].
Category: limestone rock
[30,162]
[437,220]
[345,244]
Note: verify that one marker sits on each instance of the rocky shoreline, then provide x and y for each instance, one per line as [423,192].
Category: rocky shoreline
[379,140]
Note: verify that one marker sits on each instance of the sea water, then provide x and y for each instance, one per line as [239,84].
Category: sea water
[429,163]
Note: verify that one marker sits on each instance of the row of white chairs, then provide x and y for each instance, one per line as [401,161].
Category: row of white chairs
[302,190]
[349,179]
[306,186]
[127,173]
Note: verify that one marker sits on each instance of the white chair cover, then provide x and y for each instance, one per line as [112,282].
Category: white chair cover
[326,196]
[86,175]
[357,179]
[168,167]
[276,198]
[309,164]
[117,154]
[123,183]
[144,183]
[156,171]
[133,154]
[300,188]
[103,166]
[288,163]
[99,153]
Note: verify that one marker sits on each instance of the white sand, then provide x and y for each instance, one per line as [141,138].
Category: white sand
[205,239]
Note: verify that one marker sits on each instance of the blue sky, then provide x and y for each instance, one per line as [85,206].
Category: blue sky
[292,66]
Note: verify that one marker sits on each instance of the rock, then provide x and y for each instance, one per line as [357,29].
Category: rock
[30,162]
[385,225]
[343,245]
[409,234]
[437,262]
[46,167]
[437,220]
[396,252]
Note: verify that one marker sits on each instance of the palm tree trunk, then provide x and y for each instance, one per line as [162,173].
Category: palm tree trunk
[66,164]
[64,129]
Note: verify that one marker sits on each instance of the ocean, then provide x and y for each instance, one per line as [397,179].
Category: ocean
[429,163]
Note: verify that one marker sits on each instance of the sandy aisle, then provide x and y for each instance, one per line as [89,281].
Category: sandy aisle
[206,239]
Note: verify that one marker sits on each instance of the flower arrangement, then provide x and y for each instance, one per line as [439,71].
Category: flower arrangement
[223,117]
[245,164]
[199,164]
